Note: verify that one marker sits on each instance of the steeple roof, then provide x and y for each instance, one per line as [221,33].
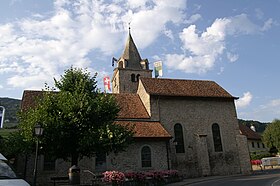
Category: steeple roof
[131,54]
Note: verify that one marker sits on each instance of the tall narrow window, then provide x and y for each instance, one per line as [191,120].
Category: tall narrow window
[217,138]
[179,138]
[133,78]
[137,77]
[146,157]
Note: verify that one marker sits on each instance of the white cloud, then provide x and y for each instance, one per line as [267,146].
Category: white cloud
[268,24]
[271,104]
[232,57]
[169,34]
[145,32]
[266,112]
[193,18]
[42,46]
[245,100]
[201,51]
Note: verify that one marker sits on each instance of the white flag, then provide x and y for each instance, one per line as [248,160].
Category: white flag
[158,68]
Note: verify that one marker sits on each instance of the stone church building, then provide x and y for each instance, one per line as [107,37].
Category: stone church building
[187,125]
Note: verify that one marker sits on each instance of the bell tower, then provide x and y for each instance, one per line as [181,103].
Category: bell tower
[130,67]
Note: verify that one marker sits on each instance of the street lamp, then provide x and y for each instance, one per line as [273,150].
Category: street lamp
[38,131]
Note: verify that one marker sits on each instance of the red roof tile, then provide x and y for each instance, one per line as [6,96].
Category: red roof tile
[146,129]
[29,98]
[184,88]
[131,106]
[249,133]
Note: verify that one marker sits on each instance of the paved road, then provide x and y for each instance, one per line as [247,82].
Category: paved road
[265,178]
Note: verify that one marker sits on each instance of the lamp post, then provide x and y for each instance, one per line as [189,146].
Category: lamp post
[38,131]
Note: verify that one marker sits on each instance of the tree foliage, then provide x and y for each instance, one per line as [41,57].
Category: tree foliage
[77,120]
[15,144]
[271,135]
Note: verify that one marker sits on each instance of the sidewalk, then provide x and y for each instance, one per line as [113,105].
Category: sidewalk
[189,181]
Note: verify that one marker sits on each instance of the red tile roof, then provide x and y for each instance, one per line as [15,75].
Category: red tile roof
[131,106]
[146,129]
[184,88]
[249,133]
[29,98]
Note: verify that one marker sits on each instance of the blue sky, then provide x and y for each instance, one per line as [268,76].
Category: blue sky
[235,43]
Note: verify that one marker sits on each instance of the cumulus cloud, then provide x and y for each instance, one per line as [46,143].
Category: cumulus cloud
[245,100]
[202,50]
[193,18]
[268,24]
[42,46]
[232,57]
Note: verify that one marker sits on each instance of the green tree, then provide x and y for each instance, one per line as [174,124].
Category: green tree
[78,120]
[271,135]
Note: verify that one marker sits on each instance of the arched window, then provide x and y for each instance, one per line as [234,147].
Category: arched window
[179,138]
[137,77]
[146,157]
[217,138]
[133,77]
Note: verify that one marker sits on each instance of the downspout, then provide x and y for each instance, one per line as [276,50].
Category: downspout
[167,155]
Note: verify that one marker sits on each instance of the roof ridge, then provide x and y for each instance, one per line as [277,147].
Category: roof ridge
[177,79]
[185,88]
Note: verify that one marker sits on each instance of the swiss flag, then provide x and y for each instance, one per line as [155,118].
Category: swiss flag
[106,81]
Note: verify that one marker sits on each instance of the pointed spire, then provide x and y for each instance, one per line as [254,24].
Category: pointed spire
[131,54]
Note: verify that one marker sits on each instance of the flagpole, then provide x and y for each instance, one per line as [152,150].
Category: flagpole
[3,115]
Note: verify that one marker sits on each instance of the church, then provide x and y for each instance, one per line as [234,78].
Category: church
[185,125]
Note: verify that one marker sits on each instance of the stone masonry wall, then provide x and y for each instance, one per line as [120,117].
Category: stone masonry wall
[245,164]
[123,77]
[145,98]
[197,116]
[130,160]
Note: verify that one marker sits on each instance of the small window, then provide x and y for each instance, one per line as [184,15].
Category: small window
[258,145]
[120,65]
[179,138]
[133,78]
[263,145]
[217,138]
[146,157]
[253,144]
